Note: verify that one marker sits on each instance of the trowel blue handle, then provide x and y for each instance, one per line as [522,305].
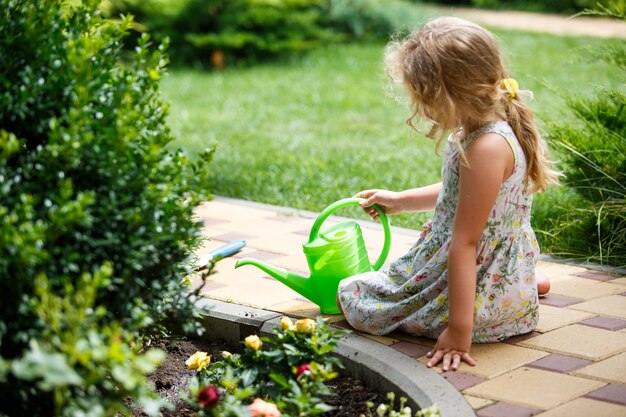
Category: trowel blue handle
[221,253]
[227,249]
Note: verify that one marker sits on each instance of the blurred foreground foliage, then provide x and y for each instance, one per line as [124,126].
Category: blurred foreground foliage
[95,212]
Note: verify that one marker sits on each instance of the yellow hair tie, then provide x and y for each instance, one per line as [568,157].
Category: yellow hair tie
[511,85]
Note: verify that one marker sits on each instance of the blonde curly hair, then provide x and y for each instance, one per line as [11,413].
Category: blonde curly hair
[452,70]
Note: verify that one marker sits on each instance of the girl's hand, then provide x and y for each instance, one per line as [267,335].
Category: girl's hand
[450,350]
[388,201]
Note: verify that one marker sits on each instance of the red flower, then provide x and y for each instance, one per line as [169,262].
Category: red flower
[497,277]
[208,396]
[302,369]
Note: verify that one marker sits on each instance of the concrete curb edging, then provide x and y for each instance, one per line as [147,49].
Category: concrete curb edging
[378,365]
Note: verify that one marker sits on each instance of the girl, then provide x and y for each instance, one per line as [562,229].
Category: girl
[470,277]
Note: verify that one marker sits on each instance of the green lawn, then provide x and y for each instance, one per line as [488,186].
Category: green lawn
[308,132]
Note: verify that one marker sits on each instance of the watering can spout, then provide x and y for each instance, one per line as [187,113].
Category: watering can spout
[296,282]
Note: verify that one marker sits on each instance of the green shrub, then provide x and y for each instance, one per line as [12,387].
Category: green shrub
[373,19]
[223,33]
[89,188]
[542,6]
[591,223]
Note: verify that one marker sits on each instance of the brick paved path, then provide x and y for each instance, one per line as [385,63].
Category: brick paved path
[572,365]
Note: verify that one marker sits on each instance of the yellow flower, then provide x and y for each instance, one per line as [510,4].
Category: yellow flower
[305,325]
[286,323]
[479,302]
[253,342]
[198,361]
[441,299]
[516,224]
[226,354]
[494,243]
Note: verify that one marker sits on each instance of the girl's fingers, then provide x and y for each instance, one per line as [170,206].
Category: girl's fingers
[467,358]
[456,361]
[447,358]
[437,356]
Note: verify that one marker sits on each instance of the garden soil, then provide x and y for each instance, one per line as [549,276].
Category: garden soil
[172,377]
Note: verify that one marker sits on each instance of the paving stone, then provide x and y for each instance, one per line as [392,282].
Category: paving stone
[502,409]
[227,237]
[413,350]
[586,289]
[257,254]
[520,338]
[288,218]
[207,285]
[264,227]
[611,393]
[612,369]
[585,407]
[612,306]
[286,244]
[559,363]
[264,293]
[551,318]
[618,281]
[296,263]
[387,341]
[605,323]
[461,380]
[296,308]
[597,275]
[493,359]
[403,336]
[343,324]
[476,402]
[207,222]
[558,300]
[555,269]
[225,273]
[217,209]
[580,341]
[534,388]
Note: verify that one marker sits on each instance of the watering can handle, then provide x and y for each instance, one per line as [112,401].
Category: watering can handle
[349,202]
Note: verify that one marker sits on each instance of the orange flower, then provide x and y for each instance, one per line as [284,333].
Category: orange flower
[260,408]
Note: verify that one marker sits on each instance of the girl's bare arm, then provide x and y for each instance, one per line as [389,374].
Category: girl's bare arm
[392,202]
[491,161]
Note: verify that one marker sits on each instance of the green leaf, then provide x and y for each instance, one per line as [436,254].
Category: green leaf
[50,368]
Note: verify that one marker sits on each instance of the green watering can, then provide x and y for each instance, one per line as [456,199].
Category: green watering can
[333,254]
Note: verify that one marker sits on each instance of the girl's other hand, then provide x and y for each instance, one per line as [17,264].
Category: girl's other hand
[450,350]
[388,201]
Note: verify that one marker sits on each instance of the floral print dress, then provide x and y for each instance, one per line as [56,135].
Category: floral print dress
[412,295]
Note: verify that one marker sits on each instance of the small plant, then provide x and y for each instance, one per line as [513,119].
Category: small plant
[284,374]
[383,410]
